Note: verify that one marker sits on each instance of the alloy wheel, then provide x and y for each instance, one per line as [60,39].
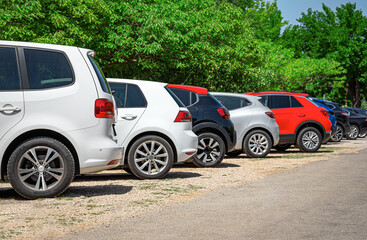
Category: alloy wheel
[338,134]
[353,132]
[41,168]
[208,150]
[310,140]
[258,144]
[151,157]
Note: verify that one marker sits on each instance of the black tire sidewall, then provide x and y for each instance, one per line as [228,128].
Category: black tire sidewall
[247,149]
[282,147]
[131,163]
[60,148]
[222,147]
[300,143]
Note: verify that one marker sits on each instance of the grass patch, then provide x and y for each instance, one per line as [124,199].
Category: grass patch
[148,186]
[296,156]
[144,202]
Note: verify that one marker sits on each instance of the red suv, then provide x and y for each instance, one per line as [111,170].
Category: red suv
[300,121]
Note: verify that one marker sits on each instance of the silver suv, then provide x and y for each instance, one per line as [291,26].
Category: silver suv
[56,114]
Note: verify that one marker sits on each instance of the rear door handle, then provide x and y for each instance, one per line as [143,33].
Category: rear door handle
[129,116]
[301,115]
[9,109]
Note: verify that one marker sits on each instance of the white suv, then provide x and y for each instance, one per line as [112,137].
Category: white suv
[153,126]
[56,114]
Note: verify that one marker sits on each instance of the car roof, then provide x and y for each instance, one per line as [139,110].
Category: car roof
[38,45]
[251,97]
[277,92]
[198,90]
[133,81]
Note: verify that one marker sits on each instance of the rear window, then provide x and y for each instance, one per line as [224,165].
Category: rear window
[295,103]
[188,98]
[47,69]
[279,101]
[177,100]
[101,78]
[9,76]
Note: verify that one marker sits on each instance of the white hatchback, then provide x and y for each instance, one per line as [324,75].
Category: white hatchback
[153,127]
[56,114]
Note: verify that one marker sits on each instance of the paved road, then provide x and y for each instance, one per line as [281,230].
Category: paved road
[322,200]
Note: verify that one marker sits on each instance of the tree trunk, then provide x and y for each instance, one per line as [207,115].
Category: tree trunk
[354,91]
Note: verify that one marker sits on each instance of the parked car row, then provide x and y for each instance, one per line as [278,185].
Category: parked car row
[61,117]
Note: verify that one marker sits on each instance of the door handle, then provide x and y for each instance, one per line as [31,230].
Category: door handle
[301,115]
[129,116]
[9,109]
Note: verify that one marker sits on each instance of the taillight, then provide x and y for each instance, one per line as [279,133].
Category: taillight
[223,112]
[345,114]
[325,112]
[270,114]
[183,116]
[103,108]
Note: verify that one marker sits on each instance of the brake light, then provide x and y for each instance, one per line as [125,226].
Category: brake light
[223,112]
[325,112]
[270,114]
[103,108]
[183,116]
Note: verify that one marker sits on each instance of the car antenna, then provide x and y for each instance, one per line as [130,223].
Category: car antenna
[237,89]
[62,37]
[186,78]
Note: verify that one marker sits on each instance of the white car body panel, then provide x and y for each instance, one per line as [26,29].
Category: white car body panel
[158,116]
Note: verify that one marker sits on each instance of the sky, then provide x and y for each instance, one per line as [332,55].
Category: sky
[292,9]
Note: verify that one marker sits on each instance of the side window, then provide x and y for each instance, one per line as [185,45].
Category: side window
[9,75]
[47,69]
[232,103]
[135,97]
[295,103]
[120,93]
[183,95]
[279,101]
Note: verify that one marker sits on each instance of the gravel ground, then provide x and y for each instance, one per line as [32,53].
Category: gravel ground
[100,199]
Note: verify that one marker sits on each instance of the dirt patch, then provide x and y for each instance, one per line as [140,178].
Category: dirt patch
[100,199]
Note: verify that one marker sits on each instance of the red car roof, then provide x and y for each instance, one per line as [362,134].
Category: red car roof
[198,90]
[275,92]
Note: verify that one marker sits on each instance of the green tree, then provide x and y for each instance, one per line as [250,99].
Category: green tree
[340,36]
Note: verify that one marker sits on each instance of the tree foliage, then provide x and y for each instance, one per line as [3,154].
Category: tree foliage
[340,36]
[224,45]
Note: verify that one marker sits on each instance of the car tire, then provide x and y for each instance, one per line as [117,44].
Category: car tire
[41,167]
[257,144]
[354,132]
[309,139]
[234,154]
[127,169]
[338,136]
[211,147]
[282,147]
[362,135]
[150,157]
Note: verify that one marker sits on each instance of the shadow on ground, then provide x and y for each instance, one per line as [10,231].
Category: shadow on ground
[92,191]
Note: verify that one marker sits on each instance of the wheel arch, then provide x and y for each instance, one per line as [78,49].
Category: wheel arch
[165,137]
[314,124]
[32,134]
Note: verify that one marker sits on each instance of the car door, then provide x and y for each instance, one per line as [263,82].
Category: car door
[11,95]
[285,116]
[131,105]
